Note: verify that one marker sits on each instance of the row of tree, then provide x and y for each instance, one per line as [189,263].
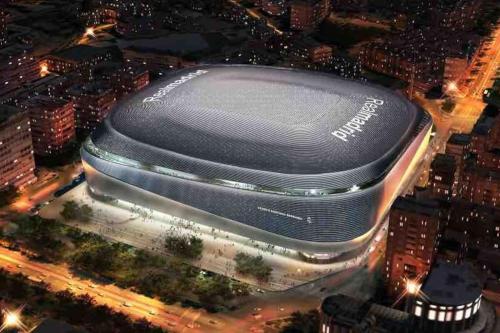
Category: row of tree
[169,278]
[79,310]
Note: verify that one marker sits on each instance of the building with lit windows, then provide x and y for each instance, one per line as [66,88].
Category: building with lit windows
[302,160]
[414,226]
[308,14]
[3,28]
[78,57]
[52,124]
[442,176]
[92,102]
[17,67]
[17,165]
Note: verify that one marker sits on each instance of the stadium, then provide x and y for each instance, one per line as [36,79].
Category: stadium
[302,160]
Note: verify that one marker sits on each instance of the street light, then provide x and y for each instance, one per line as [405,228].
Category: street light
[11,319]
[44,69]
[412,287]
[452,86]
[90,32]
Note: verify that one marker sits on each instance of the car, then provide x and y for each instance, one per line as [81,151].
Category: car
[152,312]
[100,294]
[127,304]
[171,324]
[213,322]
[92,285]
[19,266]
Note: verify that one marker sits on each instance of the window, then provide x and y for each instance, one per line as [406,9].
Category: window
[418,311]
[432,315]
[459,315]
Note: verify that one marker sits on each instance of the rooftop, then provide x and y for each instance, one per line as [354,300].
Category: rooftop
[353,312]
[81,52]
[7,111]
[418,205]
[459,139]
[290,122]
[451,284]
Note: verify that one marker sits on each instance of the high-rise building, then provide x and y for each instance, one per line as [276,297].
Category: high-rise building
[308,14]
[80,57]
[3,28]
[17,67]
[128,80]
[458,146]
[480,185]
[52,124]
[476,226]
[92,103]
[274,7]
[413,233]
[17,164]
[442,176]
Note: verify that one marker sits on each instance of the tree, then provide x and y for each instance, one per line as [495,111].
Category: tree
[448,105]
[8,195]
[250,265]
[303,322]
[86,213]
[213,289]
[182,246]
[70,210]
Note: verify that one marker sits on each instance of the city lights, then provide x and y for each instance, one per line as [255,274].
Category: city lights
[412,287]
[271,164]
[11,319]
[452,86]
[89,32]
[44,69]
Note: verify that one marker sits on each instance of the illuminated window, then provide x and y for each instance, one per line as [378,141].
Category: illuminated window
[432,315]
[459,315]
[418,311]
[441,315]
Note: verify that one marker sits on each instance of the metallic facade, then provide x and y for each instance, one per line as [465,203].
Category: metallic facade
[303,160]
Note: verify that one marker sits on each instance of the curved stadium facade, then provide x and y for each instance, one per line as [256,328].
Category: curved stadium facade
[302,160]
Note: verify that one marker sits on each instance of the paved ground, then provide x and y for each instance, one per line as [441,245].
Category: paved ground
[147,229]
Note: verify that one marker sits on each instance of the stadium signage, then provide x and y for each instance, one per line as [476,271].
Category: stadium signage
[356,124]
[165,90]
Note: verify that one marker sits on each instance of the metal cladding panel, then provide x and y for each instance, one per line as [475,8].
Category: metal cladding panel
[263,126]
[338,218]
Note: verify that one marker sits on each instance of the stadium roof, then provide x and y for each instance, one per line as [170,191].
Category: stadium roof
[298,127]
